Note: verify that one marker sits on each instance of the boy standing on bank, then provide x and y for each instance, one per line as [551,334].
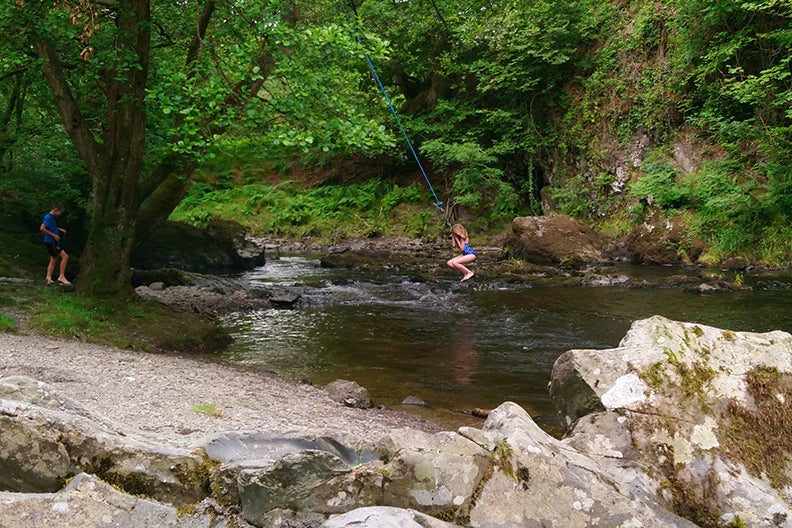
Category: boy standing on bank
[52,236]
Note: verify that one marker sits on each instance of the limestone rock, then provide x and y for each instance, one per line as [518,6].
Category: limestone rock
[384,517]
[437,474]
[309,483]
[541,481]
[87,502]
[693,414]
[42,446]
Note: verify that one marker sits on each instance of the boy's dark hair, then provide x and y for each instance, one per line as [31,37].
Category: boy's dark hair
[59,206]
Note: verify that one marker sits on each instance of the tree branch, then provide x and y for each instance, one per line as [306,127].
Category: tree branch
[73,121]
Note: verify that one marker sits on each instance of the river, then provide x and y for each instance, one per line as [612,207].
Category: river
[458,346]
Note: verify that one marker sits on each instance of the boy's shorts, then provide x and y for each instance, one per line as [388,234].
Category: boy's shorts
[53,248]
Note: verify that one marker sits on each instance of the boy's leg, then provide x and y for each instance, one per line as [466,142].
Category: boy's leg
[64,260]
[51,268]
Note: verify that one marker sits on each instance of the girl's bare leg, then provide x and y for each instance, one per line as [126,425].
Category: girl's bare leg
[458,263]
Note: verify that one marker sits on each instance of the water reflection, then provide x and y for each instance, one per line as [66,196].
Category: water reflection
[459,348]
[463,355]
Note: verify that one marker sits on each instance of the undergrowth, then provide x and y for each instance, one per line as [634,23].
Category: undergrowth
[372,208]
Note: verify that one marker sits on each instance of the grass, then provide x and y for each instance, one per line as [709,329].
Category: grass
[22,256]
[208,409]
[28,305]
[132,324]
[7,323]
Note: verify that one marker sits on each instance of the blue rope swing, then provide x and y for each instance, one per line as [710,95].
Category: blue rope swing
[438,203]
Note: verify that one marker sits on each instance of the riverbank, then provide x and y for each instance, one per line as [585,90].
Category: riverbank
[184,398]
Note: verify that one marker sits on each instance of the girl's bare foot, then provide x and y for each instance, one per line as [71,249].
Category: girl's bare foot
[467,276]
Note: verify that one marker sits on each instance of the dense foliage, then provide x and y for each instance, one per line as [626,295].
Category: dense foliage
[606,111]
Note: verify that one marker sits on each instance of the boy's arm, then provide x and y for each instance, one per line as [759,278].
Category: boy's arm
[43,229]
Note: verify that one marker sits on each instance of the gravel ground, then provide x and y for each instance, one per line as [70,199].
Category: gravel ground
[157,394]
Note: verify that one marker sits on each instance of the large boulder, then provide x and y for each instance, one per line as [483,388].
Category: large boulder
[47,439]
[281,481]
[220,247]
[537,480]
[696,415]
[660,239]
[437,474]
[554,239]
[87,501]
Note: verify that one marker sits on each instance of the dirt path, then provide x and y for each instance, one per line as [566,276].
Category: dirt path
[158,394]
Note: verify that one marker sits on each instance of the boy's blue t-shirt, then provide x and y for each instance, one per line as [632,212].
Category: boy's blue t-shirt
[49,223]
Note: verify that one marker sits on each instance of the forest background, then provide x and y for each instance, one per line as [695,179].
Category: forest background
[266,112]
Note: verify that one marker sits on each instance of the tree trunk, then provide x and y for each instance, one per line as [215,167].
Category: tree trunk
[115,164]
[105,260]
[104,263]
[129,205]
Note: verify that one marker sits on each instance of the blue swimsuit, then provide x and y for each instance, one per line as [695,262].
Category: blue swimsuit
[467,251]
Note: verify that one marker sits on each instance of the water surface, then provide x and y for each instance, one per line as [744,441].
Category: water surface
[462,346]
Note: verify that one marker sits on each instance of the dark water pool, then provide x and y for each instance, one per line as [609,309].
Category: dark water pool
[460,347]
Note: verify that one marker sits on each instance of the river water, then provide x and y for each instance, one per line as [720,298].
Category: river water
[458,346]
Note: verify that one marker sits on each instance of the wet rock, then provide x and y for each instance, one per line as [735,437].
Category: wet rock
[413,400]
[349,393]
[554,239]
[165,276]
[735,264]
[388,253]
[284,300]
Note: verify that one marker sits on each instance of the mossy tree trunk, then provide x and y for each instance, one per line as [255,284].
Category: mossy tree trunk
[114,162]
[129,200]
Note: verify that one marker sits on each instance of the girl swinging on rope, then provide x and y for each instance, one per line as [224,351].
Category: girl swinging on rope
[460,239]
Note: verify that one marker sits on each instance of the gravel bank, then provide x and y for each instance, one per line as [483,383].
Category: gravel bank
[157,394]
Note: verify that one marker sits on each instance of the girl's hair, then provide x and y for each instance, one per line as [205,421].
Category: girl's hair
[460,231]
